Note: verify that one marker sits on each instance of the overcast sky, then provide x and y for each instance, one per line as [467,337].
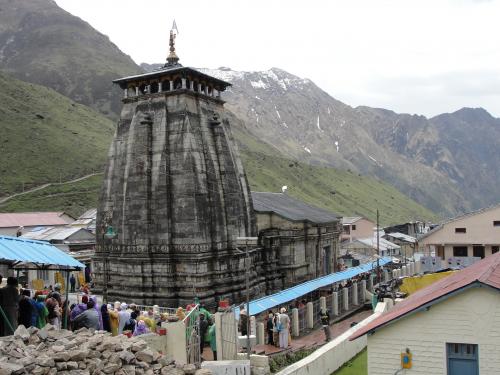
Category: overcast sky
[419,56]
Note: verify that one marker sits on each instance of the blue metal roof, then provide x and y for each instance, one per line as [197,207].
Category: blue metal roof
[17,249]
[290,294]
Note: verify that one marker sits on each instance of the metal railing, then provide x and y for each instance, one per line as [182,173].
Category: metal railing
[161,310]
[302,319]
[361,294]
[192,322]
[316,316]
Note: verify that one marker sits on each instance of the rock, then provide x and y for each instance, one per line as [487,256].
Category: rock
[42,334]
[71,365]
[139,345]
[57,348]
[26,361]
[17,353]
[10,367]
[145,355]
[128,370]
[171,371]
[61,366]
[45,361]
[189,369]
[61,357]
[110,368]
[38,370]
[78,355]
[22,333]
[52,371]
[127,357]
[142,365]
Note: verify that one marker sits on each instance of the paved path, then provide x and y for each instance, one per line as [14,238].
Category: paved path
[312,339]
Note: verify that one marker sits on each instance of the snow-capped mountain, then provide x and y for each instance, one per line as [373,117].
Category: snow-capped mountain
[425,158]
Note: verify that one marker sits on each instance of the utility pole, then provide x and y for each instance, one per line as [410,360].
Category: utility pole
[378,249]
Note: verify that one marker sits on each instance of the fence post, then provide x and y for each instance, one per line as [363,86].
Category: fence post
[295,322]
[346,298]
[310,315]
[260,334]
[354,293]
[363,291]
[322,303]
[386,276]
[405,271]
[252,326]
[335,303]
[370,284]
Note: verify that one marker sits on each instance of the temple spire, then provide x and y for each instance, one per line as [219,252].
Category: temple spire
[173,59]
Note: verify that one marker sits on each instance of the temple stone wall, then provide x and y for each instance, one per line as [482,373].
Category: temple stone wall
[177,196]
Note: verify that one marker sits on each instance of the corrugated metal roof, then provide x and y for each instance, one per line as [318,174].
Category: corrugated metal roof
[89,214]
[16,249]
[290,208]
[30,219]
[402,237]
[54,233]
[486,271]
[287,295]
[350,219]
[372,243]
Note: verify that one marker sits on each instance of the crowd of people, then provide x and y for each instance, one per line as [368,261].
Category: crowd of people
[23,306]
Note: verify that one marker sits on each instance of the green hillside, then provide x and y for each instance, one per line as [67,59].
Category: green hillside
[46,137]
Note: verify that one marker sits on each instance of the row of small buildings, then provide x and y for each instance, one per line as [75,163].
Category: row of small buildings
[310,241]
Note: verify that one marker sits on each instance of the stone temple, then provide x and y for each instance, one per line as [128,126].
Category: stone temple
[175,197]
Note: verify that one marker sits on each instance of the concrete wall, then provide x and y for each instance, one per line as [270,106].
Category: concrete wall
[364,229]
[472,317]
[448,250]
[480,230]
[334,354]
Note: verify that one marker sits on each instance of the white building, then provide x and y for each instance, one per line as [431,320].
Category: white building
[11,223]
[451,327]
[476,234]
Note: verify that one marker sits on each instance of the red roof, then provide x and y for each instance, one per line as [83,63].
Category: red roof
[486,271]
[31,219]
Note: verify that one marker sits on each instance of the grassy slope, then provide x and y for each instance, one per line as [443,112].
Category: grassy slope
[73,198]
[354,194]
[46,137]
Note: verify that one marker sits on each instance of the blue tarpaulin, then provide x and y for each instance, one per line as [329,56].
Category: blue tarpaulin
[290,294]
[17,249]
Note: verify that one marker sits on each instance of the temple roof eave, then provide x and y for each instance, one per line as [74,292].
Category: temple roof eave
[169,71]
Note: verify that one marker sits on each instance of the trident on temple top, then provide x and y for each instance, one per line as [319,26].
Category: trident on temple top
[172,58]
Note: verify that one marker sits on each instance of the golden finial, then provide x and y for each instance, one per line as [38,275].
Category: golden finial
[172,58]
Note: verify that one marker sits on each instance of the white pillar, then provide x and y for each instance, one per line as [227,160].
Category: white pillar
[295,322]
[394,274]
[125,93]
[171,85]
[369,286]
[261,337]
[199,88]
[160,86]
[206,90]
[346,298]
[322,304]
[191,86]
[253,327]
[335,303]
[310,315]
[363,291]
[137,91]
[354,293]
[386,275]
[405,271]
[183,83]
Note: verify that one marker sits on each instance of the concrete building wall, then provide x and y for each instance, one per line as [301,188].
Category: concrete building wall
[471,317]
[448,250]
[479,230]
[364,229]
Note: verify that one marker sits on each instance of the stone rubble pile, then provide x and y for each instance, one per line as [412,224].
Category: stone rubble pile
[84,352]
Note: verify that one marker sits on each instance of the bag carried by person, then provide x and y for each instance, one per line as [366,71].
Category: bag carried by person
[279,326]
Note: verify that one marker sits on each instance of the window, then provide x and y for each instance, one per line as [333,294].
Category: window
[459,251]
[347,229]
[460,230]
[353,227]
[496,223]
[494,249]
[462,359]
[478,251]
